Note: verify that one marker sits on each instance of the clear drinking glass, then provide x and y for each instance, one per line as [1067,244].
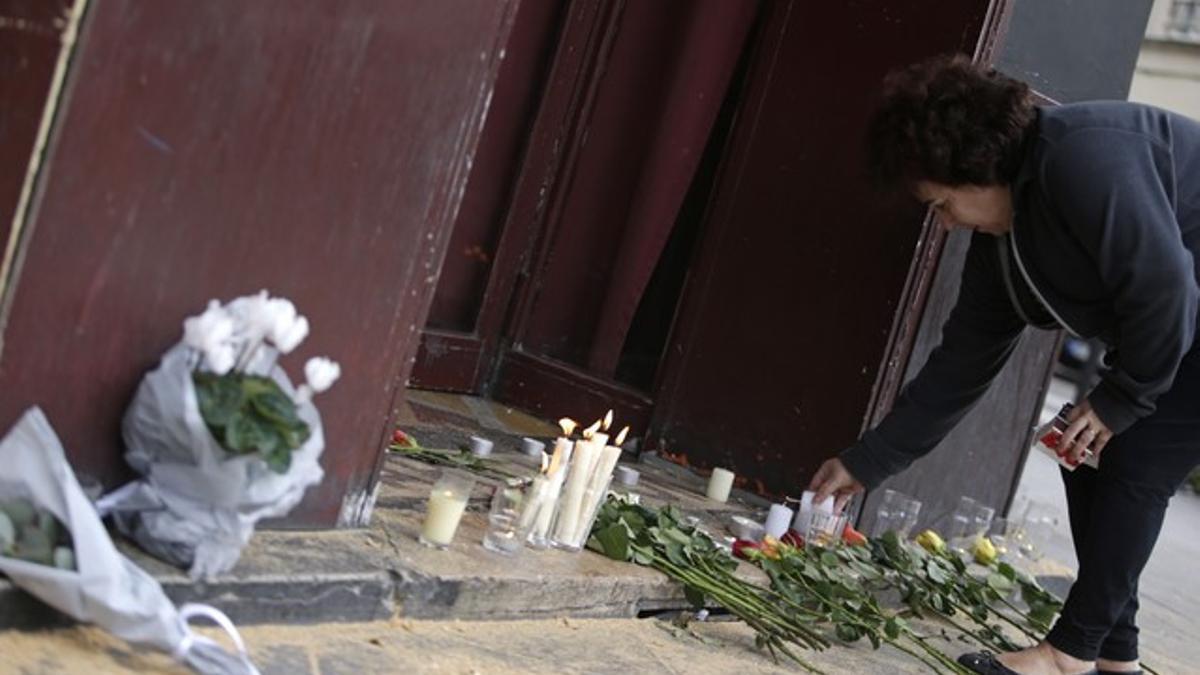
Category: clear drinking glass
[982,521]
[447,502]
[961,522]
[912,512]
[1007,535]
[825,529]
[506,530]
[897,513]
[1038,525]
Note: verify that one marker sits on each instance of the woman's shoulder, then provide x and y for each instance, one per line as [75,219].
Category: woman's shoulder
[1096,121]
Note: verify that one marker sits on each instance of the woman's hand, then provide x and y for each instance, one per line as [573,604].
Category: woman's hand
[1086,434]
[833,479]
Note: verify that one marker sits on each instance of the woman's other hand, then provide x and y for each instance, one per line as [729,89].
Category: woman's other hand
[833,479]
[1086,434]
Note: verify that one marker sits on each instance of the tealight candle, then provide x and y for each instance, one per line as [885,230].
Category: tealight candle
[480,447]
[627,476]
[719,485]
[532,447]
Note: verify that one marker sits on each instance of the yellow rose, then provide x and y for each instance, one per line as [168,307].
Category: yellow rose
[931,541]
[985,551]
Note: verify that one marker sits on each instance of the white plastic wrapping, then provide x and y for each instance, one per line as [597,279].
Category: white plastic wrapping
[196,504]
[106,588]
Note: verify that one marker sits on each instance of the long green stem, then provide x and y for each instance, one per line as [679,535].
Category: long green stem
[742,606]
[853,619]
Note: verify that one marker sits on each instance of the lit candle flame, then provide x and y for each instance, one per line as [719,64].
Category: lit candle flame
[591,431]
[621,437]
[568,426]
[608,417]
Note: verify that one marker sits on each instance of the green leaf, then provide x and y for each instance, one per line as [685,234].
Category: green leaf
[279,460]
[674,551]
[614,541]
[829,559]
[999,583]
[642,555]
[892,629]
[936,574]
[1007,570]
[674,534]
[847,632]
[694,595]
[274,405]
[219,397]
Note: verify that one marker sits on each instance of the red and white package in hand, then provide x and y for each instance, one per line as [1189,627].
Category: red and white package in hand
[1048,439]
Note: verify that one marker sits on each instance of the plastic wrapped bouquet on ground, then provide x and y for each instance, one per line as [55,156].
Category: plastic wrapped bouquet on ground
[53,545]
[220,436]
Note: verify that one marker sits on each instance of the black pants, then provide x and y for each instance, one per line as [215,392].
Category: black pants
[1116,513]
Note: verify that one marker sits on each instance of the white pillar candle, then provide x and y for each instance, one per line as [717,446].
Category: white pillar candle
[441,519]
[556,473]
[719,485]
[593,495]
[586,455]
[778,519]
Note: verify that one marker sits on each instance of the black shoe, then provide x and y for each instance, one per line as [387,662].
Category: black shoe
[985,663]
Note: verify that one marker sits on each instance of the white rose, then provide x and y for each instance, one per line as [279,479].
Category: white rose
[321,373]
[253,315]
[296,331]
[211,334]
[221,359]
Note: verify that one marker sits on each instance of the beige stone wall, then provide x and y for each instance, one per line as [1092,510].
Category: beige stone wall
[1168,67]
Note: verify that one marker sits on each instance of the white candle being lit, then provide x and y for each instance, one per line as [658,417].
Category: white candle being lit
[778,519]
[441,519]
[719,485]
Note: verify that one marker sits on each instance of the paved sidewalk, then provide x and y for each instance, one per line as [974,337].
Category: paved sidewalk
[566,646]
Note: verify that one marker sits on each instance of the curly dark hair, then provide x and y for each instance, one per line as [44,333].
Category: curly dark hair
[949,121]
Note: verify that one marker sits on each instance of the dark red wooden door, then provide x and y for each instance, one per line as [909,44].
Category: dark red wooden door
[632,93]
[210,149]
[790,304]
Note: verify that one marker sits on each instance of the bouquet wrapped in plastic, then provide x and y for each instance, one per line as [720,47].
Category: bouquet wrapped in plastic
[220,436]
[53,545]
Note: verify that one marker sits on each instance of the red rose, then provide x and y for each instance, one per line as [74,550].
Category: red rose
[792,538]
[741,546]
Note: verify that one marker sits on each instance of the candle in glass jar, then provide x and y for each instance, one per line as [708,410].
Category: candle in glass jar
[719,484]
[442,517]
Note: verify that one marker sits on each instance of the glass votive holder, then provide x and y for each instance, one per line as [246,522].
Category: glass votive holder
[506,529]
[447,502]
[889,517]
[1006,536]
[825,529]
[982,521]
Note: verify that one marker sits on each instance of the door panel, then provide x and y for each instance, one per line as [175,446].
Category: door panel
[475,285]
[210,149]
[789,307]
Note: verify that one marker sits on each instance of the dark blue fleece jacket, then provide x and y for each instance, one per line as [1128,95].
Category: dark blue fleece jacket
[1105,231]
